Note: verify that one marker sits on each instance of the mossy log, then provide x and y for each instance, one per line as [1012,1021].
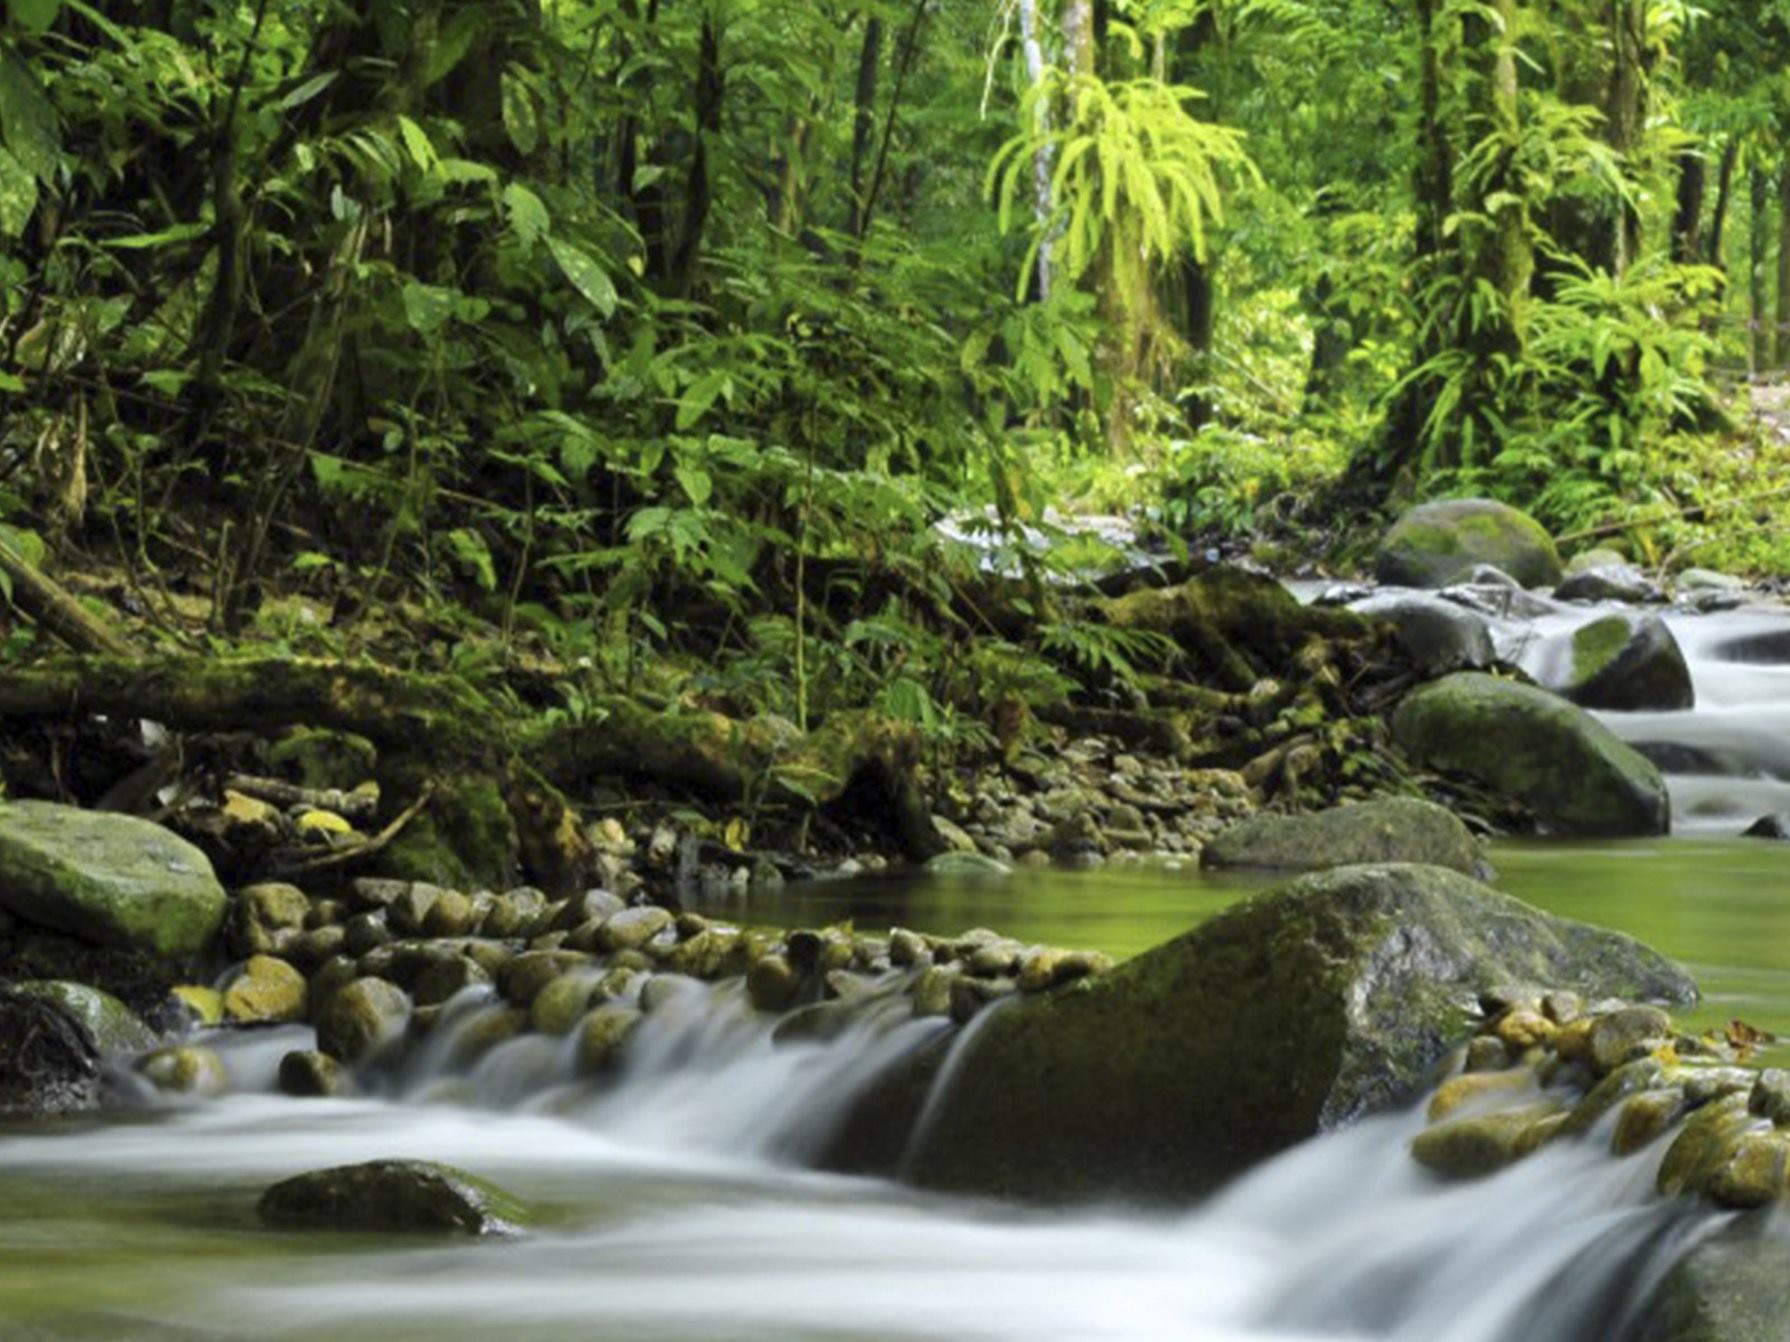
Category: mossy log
[499,779]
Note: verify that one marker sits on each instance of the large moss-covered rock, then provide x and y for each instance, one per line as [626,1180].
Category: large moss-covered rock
[1571,770]
[1732,1287]
[112,880]
[1436,544]
[1287,1015]
[404,1196]
[1625,662]
[1396,829]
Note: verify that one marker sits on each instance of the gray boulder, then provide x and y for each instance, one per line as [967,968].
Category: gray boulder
[1437,544]
[112,1025]
[1284,1016]
[403,1196]
[1438,636]
[1396,829]
[110,880]
[1625,662]
[1732,1287]
[1520,741]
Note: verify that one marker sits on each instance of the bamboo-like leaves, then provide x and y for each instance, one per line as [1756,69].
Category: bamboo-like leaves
[1135,169]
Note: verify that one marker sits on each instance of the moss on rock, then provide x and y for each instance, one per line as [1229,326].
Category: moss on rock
[1436,544]
[1395,829]
[1568,768]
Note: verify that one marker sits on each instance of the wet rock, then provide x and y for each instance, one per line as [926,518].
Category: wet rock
[602,1035]
[186,1071]
[1694,581]
[1520,1029]
[1437,636]
[1283,1016]
[522,979]
[1466,1148]
[113,1026]
[932,993]
[1624,662]
[631,929]
[447,977]
[966,866]
[1733,1286]
[366,932]
[1703,1146]
[451,915]
[562,1003]
[399,1196]
[263,917]
[198,1005]
[49,1063]
[593,905]
[1045,967]
[909,949]
[515,913]
[711,954]
[1618,581]
[1622,1036]
[1397,829]
[308,1074]
[267,991]
[1770,1096]
[1486,1053]
[1769,827]
[1477,1088]
[1646,1117]
[1570,769]
[1436,544]
[970,996]
[111,880]
[360,1018]
[1754,1173]
[665,990]
[771,983]
[309,949]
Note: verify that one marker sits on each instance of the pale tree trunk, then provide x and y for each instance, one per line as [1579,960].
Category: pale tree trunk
[1078,35]
[1781,341]
[1043,163]
[1759,190]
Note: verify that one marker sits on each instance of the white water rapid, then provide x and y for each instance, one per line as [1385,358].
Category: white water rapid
[675,1212]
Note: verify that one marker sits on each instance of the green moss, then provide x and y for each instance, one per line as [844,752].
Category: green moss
[1596,645]
[1439,543]
[464,840]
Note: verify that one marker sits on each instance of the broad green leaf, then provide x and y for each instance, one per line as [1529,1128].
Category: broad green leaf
[27,121]
[697,484]
[527,215]
[519,116]
[416,140]
[18,196]
[34,16]
[428,307]
[586,275]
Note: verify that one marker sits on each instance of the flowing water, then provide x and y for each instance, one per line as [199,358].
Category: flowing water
[675,1204]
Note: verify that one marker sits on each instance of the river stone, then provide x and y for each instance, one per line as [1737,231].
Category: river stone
[1626,662]
[631,929]
[49,1063]
[1769,827]
[1397,829]
[1287,1015]
[1436,544]
[1437,636]
[1694,580]
[1571,770]
[1734,1286]
[308,1074]
[186,1071]
[402,1196]
[361,1017]
[263,917]
[1624,1035]
[113,1026]
[267,991]
[1480,1144]
[966,866]
[113,880]
[602,1036]
[1607,582]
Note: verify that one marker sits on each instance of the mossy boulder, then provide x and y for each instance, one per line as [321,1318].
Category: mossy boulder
[1290,1014]
[1624,662]
[1568,768]
[1396,829]
[111,880]
[1732,1287]
[267,991]
[49,1063]
[392,1196]
[114,1026]
[1436,544]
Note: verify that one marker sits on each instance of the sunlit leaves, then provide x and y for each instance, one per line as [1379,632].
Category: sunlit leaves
[585,274]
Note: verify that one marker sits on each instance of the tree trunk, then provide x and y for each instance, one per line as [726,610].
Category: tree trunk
[1781,338]
[1687,219]
[1627,112]
[699,190]
[1043,162]
[1715,247]
[1759,191]
[864,122]
[1078,36]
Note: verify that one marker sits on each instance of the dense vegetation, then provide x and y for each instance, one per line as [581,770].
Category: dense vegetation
[654,336]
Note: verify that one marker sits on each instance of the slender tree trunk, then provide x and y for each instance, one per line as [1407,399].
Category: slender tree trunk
[1195,305]
[1627,111]
[1759,191]
[863,135]
[1043,162]
[1078,36]
[1715,249]
[1687,219]
[1781,339]
[699,191]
